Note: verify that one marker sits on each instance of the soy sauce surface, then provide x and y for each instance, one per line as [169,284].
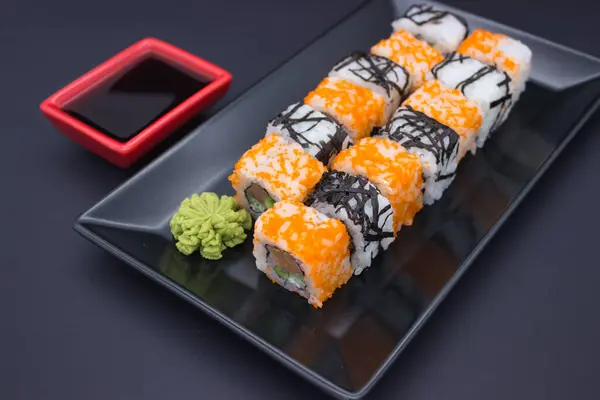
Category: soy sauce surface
[126,104]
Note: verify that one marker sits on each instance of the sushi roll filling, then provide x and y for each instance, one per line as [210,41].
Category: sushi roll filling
[258,199]
[286,267]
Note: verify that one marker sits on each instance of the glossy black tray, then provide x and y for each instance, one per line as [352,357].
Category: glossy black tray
[346,346]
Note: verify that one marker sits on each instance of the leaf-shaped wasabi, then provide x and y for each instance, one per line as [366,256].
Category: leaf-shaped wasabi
[209,224]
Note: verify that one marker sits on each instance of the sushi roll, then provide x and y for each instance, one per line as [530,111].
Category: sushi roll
[435,144]
[397,174]
[442,30]
[274,170]
[357,108]
[415,55]
[367,214]
[451,108]
[302,250]
[379,74]
[482,83]
[318,134]
[505,53]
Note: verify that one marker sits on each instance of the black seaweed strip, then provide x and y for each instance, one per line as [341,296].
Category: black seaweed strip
[455,57]
[336,188]
[377,69]
[421,9]
[443,139]
[437,15]
[505,101]
[328,148]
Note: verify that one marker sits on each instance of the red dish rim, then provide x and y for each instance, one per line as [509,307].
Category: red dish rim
[158,130]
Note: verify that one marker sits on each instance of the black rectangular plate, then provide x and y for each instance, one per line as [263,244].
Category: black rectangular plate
[346,346]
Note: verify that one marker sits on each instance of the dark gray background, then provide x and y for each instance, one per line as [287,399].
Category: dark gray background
[78,324]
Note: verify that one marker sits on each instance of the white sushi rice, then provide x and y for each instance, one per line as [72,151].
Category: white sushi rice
[436,145]
[379,74]
[364,250]
[521,54]
[451,108]
[484,84]
[318,134]
[441,29]
[503,49]
[433,188]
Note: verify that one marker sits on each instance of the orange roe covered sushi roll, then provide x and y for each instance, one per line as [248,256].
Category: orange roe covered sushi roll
[302,250]
[397,174]
[357,108]
[506,54]
[274,170]
[415,55]
[451,108]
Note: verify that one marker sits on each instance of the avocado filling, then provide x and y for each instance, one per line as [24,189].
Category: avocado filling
[287,267]
[259,199]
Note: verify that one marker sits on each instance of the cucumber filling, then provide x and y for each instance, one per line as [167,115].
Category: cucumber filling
[269,202]
[259,207]
[259,199]
[295,279]
[286,267]
[255,205]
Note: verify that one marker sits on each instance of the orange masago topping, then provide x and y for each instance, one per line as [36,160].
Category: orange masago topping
[397,174]
[486,47]
[321,244]
[451,108]
[284,170]
[358,108]
[415,55]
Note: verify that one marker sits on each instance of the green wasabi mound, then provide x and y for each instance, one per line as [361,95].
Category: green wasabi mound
[210,224]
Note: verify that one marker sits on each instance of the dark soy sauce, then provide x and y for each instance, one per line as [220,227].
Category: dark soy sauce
[123,106]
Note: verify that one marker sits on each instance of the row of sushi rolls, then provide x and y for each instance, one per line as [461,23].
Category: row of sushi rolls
[337,175]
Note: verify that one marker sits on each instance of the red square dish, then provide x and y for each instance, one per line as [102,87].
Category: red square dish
[140,95]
